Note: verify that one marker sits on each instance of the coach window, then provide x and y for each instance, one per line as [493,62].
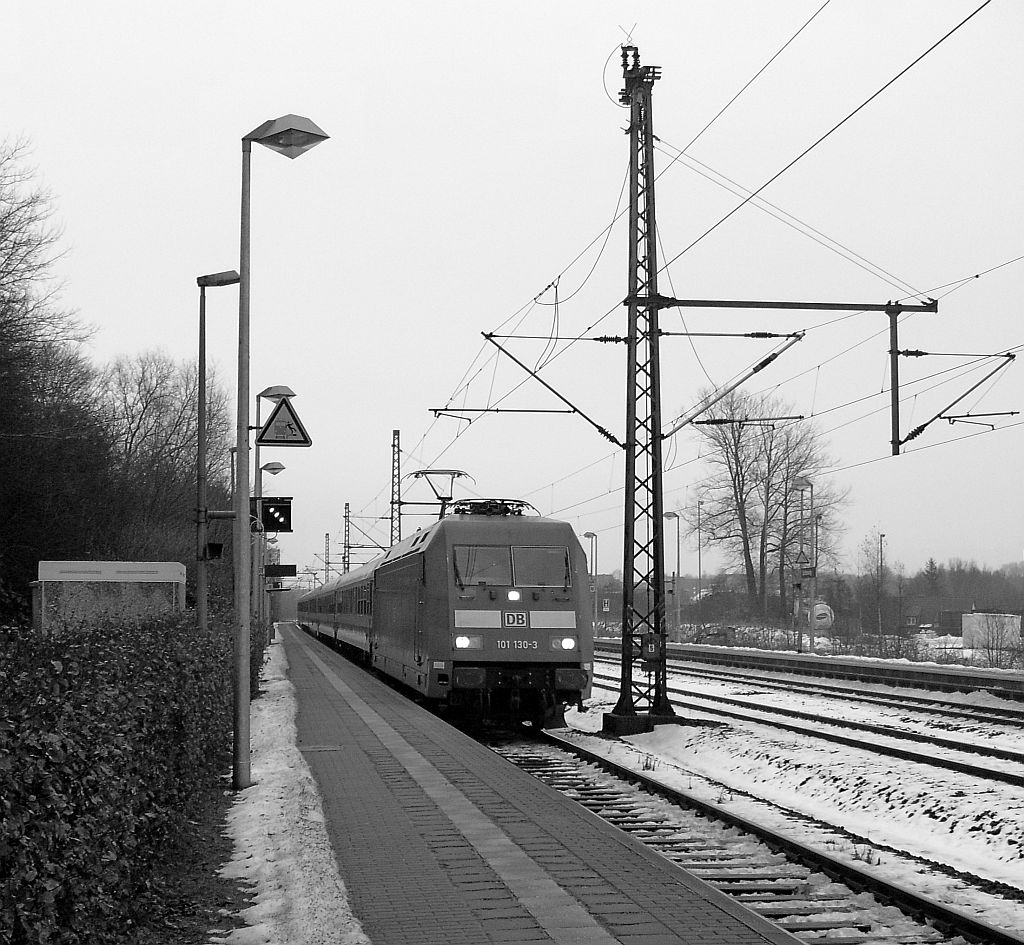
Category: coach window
[482,564]
[541,567]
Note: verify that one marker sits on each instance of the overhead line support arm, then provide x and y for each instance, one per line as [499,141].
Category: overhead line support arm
[574,409]
[892,309]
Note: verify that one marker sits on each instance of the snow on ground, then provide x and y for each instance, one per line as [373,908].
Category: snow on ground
[941,816]
[283,853]
[281,845]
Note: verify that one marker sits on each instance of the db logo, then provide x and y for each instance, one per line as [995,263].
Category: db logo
[514,618]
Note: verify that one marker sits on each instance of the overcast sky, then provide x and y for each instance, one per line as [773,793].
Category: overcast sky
[476,151]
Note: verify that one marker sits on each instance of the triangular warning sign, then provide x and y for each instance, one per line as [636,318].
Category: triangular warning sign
[283,428]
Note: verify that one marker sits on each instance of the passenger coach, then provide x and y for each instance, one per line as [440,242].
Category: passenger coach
[487,610]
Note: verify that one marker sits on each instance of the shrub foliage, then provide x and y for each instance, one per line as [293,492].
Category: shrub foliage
[106,735]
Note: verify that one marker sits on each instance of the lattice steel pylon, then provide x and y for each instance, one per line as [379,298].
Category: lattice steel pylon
[346,548]
[643,570]
[396,487]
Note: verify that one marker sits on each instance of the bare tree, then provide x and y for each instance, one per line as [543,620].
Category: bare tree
[53,445]
[750,501]
[872,573]
[152,412]
[29,245]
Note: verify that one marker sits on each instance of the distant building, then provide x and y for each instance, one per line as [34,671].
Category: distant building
[991,631]
[941,614]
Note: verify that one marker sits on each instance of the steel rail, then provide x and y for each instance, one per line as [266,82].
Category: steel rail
[951,921]
[989,751]
[975,713]
[1006,685]
[961,767]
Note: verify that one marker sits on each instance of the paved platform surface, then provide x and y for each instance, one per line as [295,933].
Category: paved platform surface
[439,840]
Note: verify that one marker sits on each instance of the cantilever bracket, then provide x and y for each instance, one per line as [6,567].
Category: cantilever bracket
[941,415]
[572,407]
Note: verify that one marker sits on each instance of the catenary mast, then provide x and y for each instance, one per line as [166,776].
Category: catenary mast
[643,572]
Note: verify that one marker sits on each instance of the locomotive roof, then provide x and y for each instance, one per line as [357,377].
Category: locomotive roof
[454,523]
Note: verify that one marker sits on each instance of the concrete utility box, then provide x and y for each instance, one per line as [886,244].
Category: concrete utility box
[73,591]
[991,631]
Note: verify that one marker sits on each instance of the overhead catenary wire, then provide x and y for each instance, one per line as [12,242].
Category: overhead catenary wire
[794,222]
[817,368]
[771,180]
[618,214]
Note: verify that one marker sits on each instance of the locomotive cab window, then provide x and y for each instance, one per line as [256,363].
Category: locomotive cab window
[541,566]
[482,564]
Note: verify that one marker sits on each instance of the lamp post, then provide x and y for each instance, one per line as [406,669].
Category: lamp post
[804,484]
[678,571]
[700,571]
[291,136]
[259,571]
[276,394]
[229,277]
[881,569]
[593,568]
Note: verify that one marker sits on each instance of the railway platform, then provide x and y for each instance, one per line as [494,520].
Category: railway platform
[439,840]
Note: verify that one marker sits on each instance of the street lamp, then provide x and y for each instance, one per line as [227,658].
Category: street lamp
[700,572]
[881,571]
[593,568]
[290,135]
[803,483]
[259,576]
[276,394]
[678,571]
[230,277]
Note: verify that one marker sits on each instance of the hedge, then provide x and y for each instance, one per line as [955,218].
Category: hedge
[107,735]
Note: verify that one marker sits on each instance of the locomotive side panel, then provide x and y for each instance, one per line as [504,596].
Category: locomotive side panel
[398,597]
[436,629]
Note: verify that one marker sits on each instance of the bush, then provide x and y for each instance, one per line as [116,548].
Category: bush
[106,735]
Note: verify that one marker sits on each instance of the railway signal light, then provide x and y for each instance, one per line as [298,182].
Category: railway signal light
[276,514]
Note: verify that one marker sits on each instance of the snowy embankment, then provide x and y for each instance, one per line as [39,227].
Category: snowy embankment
[939,816]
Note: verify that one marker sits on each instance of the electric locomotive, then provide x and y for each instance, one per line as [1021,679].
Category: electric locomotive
[487,611]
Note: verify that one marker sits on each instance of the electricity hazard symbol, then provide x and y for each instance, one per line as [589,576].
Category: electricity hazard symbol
[283,428]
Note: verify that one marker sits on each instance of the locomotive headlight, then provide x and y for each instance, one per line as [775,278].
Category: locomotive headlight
[466,642]
[563,643]
[514,595]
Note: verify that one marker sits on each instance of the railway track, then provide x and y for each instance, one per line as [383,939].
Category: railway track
[1012,773]
[937,678]
[804,890]
[763,675]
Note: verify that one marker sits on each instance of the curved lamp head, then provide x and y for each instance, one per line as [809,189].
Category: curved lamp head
[230,277]
[272,468]
[276,393]
[671,515]
[290,135]
[589,535]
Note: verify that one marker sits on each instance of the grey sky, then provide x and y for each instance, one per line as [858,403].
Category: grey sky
[476,149]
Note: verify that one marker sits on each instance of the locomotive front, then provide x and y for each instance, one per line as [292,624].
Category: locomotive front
[520,628]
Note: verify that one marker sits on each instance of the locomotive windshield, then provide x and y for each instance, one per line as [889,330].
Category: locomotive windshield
[537,566]
[541,567]
[481,564]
